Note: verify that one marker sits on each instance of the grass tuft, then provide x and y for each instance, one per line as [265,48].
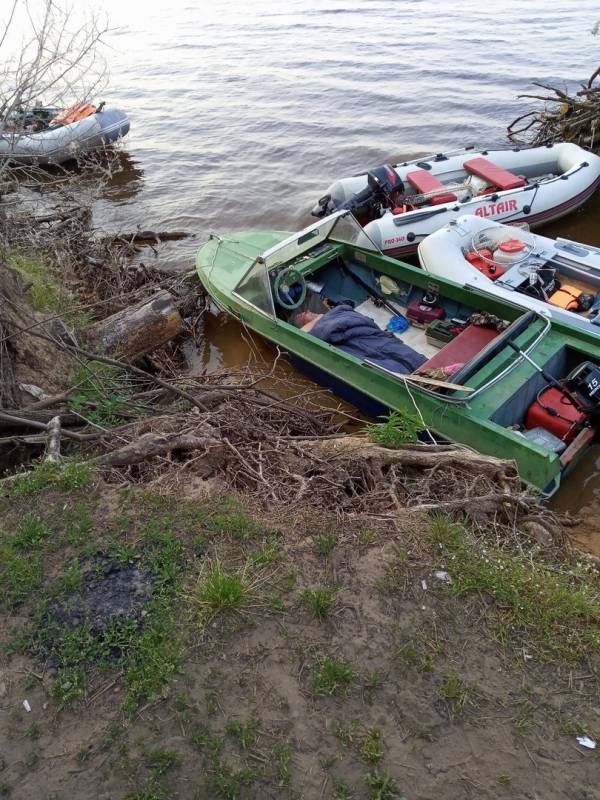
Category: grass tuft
[324,544]
[281,757]
[46,292]
[372,749]
[161,760]
[455,692]
[320,601]
[222,591]
[397,429]
[332,676]
[381,786]
[244,732]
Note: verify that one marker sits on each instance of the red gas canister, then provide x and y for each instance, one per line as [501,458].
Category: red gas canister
[554,410]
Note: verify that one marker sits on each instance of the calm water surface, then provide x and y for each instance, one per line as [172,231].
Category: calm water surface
[242,113]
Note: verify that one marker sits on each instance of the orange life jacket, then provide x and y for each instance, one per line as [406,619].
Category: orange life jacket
[73,114]
[566,297]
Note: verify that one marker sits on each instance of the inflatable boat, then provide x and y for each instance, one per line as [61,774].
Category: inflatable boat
[51,136]
[399,205]
[554,276]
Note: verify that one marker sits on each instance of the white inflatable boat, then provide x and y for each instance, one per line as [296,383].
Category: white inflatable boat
[399,205]
[50,136]
[557,276]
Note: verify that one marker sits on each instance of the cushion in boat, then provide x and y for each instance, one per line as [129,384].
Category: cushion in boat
[425,182]
[462,348]
[495,175]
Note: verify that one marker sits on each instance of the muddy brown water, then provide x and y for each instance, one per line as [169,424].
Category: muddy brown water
[242,113]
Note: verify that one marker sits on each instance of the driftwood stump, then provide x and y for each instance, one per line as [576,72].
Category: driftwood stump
[136,331]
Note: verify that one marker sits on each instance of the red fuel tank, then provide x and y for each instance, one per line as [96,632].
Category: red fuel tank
[555,411]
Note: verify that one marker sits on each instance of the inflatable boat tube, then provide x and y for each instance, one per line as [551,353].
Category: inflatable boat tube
[558,277]
[60,143]
[533,185]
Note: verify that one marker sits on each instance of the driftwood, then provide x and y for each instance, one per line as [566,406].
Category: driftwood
[571,117]
[137,330]
[53,449]
[503,473]
[151,445]
[14,417]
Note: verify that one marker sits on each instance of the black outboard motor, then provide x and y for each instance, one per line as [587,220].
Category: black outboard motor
[385,188]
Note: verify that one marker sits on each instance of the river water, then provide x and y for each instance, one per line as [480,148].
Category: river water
[243,112]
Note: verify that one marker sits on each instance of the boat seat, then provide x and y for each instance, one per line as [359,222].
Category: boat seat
[424,182]
[462,348]
[494,175]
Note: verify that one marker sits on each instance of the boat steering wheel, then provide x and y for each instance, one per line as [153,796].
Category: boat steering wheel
[284,281]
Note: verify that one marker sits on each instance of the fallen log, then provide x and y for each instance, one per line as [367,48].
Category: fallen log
[502,472]
[150,445]
[138,330]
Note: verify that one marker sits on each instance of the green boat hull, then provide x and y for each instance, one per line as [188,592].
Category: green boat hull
[222,262]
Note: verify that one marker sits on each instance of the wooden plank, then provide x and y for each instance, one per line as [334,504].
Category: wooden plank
[583,438]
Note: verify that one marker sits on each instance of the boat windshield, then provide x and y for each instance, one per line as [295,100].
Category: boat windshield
[255,286]
[338,227]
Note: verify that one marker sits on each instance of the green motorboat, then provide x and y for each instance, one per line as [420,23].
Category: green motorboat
[502,379]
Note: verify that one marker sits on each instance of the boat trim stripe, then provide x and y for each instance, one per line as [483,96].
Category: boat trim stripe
[551,212]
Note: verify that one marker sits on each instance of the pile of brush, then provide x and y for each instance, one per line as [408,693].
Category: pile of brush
[564,117]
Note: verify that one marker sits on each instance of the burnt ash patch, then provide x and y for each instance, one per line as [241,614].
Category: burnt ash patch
[111,593]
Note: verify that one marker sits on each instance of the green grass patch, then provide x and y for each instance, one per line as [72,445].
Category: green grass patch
[320,601]
[221,591]
[418,652]
[153,789]
[45,291]
[230,784]
[20,574]
[161,760]
[69,477]
[31,531]
[146,653]
[244,732]
[332,676]
[281,758]
[206,743]
[231,519]
[382,786]
[455,692]
[397,429]
[102,393]
[324,543]
[342,790]
[555,606]
[372,749]
[269,553]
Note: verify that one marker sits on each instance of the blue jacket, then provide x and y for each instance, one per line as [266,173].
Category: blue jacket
[359,335]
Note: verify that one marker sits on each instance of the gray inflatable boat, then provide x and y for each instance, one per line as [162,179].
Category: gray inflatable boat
[47,136]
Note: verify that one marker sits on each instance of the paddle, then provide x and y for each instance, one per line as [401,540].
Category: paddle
[411,377]
[377,295]
[410,216]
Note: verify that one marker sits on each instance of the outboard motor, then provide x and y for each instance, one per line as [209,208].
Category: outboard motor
[384,189]
[386,182]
